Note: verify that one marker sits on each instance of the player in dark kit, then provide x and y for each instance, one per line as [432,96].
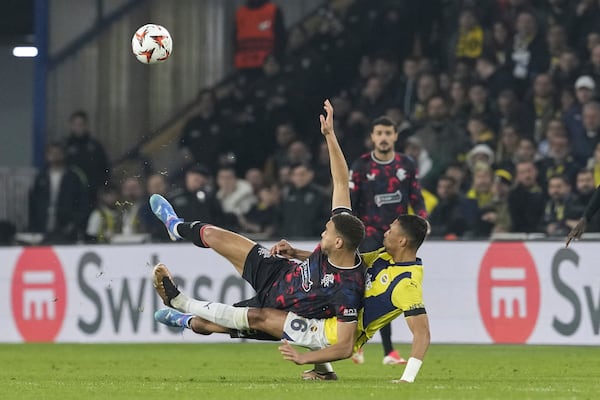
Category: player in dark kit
[383,184]
[592,208]
[329,283]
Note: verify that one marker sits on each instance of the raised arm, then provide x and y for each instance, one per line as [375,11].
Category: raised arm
[338,165]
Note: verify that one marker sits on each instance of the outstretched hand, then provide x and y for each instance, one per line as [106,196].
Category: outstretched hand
[327,120]
[577,231]
[289,353]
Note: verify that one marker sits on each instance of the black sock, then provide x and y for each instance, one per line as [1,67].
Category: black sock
[191,232]
[386,339]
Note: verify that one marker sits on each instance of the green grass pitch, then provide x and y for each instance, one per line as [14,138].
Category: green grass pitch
[256,371]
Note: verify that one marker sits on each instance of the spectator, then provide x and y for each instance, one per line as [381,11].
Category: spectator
[85,153]
[507,148]
[591,124]
[58,200]
[592,68]
[558,206]
[441,138]
[566,71]
[427,87]
[454,216]
[408,91]
[132,198]
[197,201]
[155,184]
[203,138]
[263,217]
[302,206]
[259,31]
[529,55]
[235,195]
[480,132]
[480,106]
[500,44]
[494,79]
[468,43]
[105,221]
[459,103]
[526,151]
[574,119]
[256,179]
[540,107]
[495,217]
[481,188]
[584,188]
[556,41]
[594,164]
[526,199]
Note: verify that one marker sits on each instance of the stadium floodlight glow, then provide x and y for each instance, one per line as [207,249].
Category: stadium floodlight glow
[25,51]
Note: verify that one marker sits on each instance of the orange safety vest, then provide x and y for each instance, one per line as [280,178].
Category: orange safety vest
[255,35]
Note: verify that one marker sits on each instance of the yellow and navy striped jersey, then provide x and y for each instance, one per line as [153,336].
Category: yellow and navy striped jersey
[391,289]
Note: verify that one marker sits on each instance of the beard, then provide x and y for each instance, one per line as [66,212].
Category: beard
[383,149]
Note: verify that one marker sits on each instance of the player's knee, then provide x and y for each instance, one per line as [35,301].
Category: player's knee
[256,317]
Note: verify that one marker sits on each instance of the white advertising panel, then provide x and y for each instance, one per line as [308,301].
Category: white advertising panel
[475,292]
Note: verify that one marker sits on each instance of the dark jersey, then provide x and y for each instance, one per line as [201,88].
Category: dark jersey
[318,289]
[381,191]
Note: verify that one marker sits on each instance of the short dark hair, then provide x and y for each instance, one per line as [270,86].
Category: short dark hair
[415,228]
[350,228]
[385,121]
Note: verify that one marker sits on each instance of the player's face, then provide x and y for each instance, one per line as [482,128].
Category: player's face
[329,237]
[394,237]
[383,138]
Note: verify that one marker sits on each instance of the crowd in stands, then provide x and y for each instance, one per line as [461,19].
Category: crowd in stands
[495,101]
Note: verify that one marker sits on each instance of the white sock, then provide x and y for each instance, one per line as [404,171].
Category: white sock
[221,314]
[323,368]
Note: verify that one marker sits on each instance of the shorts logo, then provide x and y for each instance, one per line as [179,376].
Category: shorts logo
[313,328]
[509,292]
[305,272]
[38,295]
[327,280]
[388,198]
[264,252]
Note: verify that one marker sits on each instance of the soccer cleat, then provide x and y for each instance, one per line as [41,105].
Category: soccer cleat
[393,358]
[164,284]
[171,317]
[358,357]
[164,211]
[312,375]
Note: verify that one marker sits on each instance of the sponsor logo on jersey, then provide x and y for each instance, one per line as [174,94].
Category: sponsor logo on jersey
[384,279]
[368,282]
[264,252]
[371,177]
[305,272]
[388,198]
[327,280]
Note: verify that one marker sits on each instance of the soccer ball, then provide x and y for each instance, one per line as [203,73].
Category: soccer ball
[151,44]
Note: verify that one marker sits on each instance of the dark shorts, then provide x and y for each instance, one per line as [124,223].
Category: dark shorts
[260,271]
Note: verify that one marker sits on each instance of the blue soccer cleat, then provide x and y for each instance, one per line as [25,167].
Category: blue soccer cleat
[174,318]
[164,211]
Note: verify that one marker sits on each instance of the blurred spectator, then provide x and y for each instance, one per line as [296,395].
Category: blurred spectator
[197,201]
[285,134]
[132,197]
[494,79]
[415,150]
[566,71]
[559,160]
[508,111]
[526,199]
[372,101]
[501,43]
[105,220]
[480,132]
[507,148]
[585,186]
[235,195]
[526,151]
[85,153]
[58,200]
[298,153]
[155,184]
[441,138]
[468,43]
[259,31]
[427,87]
[592,67]
[263,217]
[556,40]
[408,91]
[529,55]
[459,103]
[594,164]
[255,178]
[454,216]
[585,134]
[573,118]
[495,217]
[203,139]
[480,154]
[540,107]
[458,171]
[303,208]
[558,206]
[481,187]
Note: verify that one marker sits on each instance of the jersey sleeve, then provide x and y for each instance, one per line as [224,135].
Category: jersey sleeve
[370,257]
[408,297]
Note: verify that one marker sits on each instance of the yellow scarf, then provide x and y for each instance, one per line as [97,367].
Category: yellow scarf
[470,43]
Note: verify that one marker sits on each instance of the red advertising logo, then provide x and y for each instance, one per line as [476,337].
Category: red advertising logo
[38,295]
[509,292]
